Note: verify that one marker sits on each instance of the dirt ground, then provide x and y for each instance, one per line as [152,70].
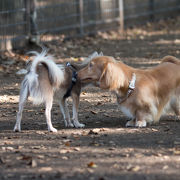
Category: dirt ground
[104,149]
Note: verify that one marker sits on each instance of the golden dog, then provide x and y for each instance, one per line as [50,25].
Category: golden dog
[143,95]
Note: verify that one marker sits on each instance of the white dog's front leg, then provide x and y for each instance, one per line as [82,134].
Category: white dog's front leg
[130,123]
[75,111]
[65,112]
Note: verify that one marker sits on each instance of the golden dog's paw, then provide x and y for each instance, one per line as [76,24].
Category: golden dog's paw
[140,124]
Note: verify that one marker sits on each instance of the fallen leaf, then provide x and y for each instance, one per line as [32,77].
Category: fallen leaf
[20,147]
[26,58]
[25,157]
[99,103]
[2,161]
[91,165]
[64,151]
[155,130]
[83,93]
[40,157]
[8,142]
[40,132]
[107,115]
[36,147]
[90,170]
[93,112]
[92,131]
[7,148]
[67,144]
[96,144]
[64,157]
[32,163]
[177,152]
[45,169]
[77,149]
[136,168]
[66,140]
[165,167]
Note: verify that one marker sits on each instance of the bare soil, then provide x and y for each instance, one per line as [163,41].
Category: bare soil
[104,149]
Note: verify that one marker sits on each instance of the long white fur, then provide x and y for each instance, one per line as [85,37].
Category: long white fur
[56,73]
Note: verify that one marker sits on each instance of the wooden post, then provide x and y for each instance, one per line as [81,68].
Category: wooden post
[121,16]
[81,15]
[27,17]
[31,16]
[151,9]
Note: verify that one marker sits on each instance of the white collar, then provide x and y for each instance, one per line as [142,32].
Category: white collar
[131,88]
[132,82]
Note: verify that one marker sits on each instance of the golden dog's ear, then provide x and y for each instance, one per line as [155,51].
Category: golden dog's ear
[112,76]
[102,79]
[106,76]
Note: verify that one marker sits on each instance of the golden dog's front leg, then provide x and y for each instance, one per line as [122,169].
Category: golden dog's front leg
[136,123]
[142,118]
[140,123]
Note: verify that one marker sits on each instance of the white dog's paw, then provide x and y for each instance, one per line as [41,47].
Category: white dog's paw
[52,129]
[140,124]
[65,123]
[130,123]
[78,125]
[70,125]
[17,128]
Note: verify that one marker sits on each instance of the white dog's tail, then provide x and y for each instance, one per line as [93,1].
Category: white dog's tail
[83,64]
[31,80]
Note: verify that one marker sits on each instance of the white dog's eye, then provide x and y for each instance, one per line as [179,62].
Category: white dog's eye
[91,65]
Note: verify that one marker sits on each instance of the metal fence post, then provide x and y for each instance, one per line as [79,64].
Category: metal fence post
[121,15]
[81,15]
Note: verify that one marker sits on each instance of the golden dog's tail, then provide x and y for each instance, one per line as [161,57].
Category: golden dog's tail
[171,59]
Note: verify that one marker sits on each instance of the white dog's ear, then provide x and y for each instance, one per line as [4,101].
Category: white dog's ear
[101,54]
[93,55]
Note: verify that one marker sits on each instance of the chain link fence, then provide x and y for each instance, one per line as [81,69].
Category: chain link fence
[26,20]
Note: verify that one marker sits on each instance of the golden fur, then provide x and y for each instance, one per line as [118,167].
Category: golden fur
[156,89]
